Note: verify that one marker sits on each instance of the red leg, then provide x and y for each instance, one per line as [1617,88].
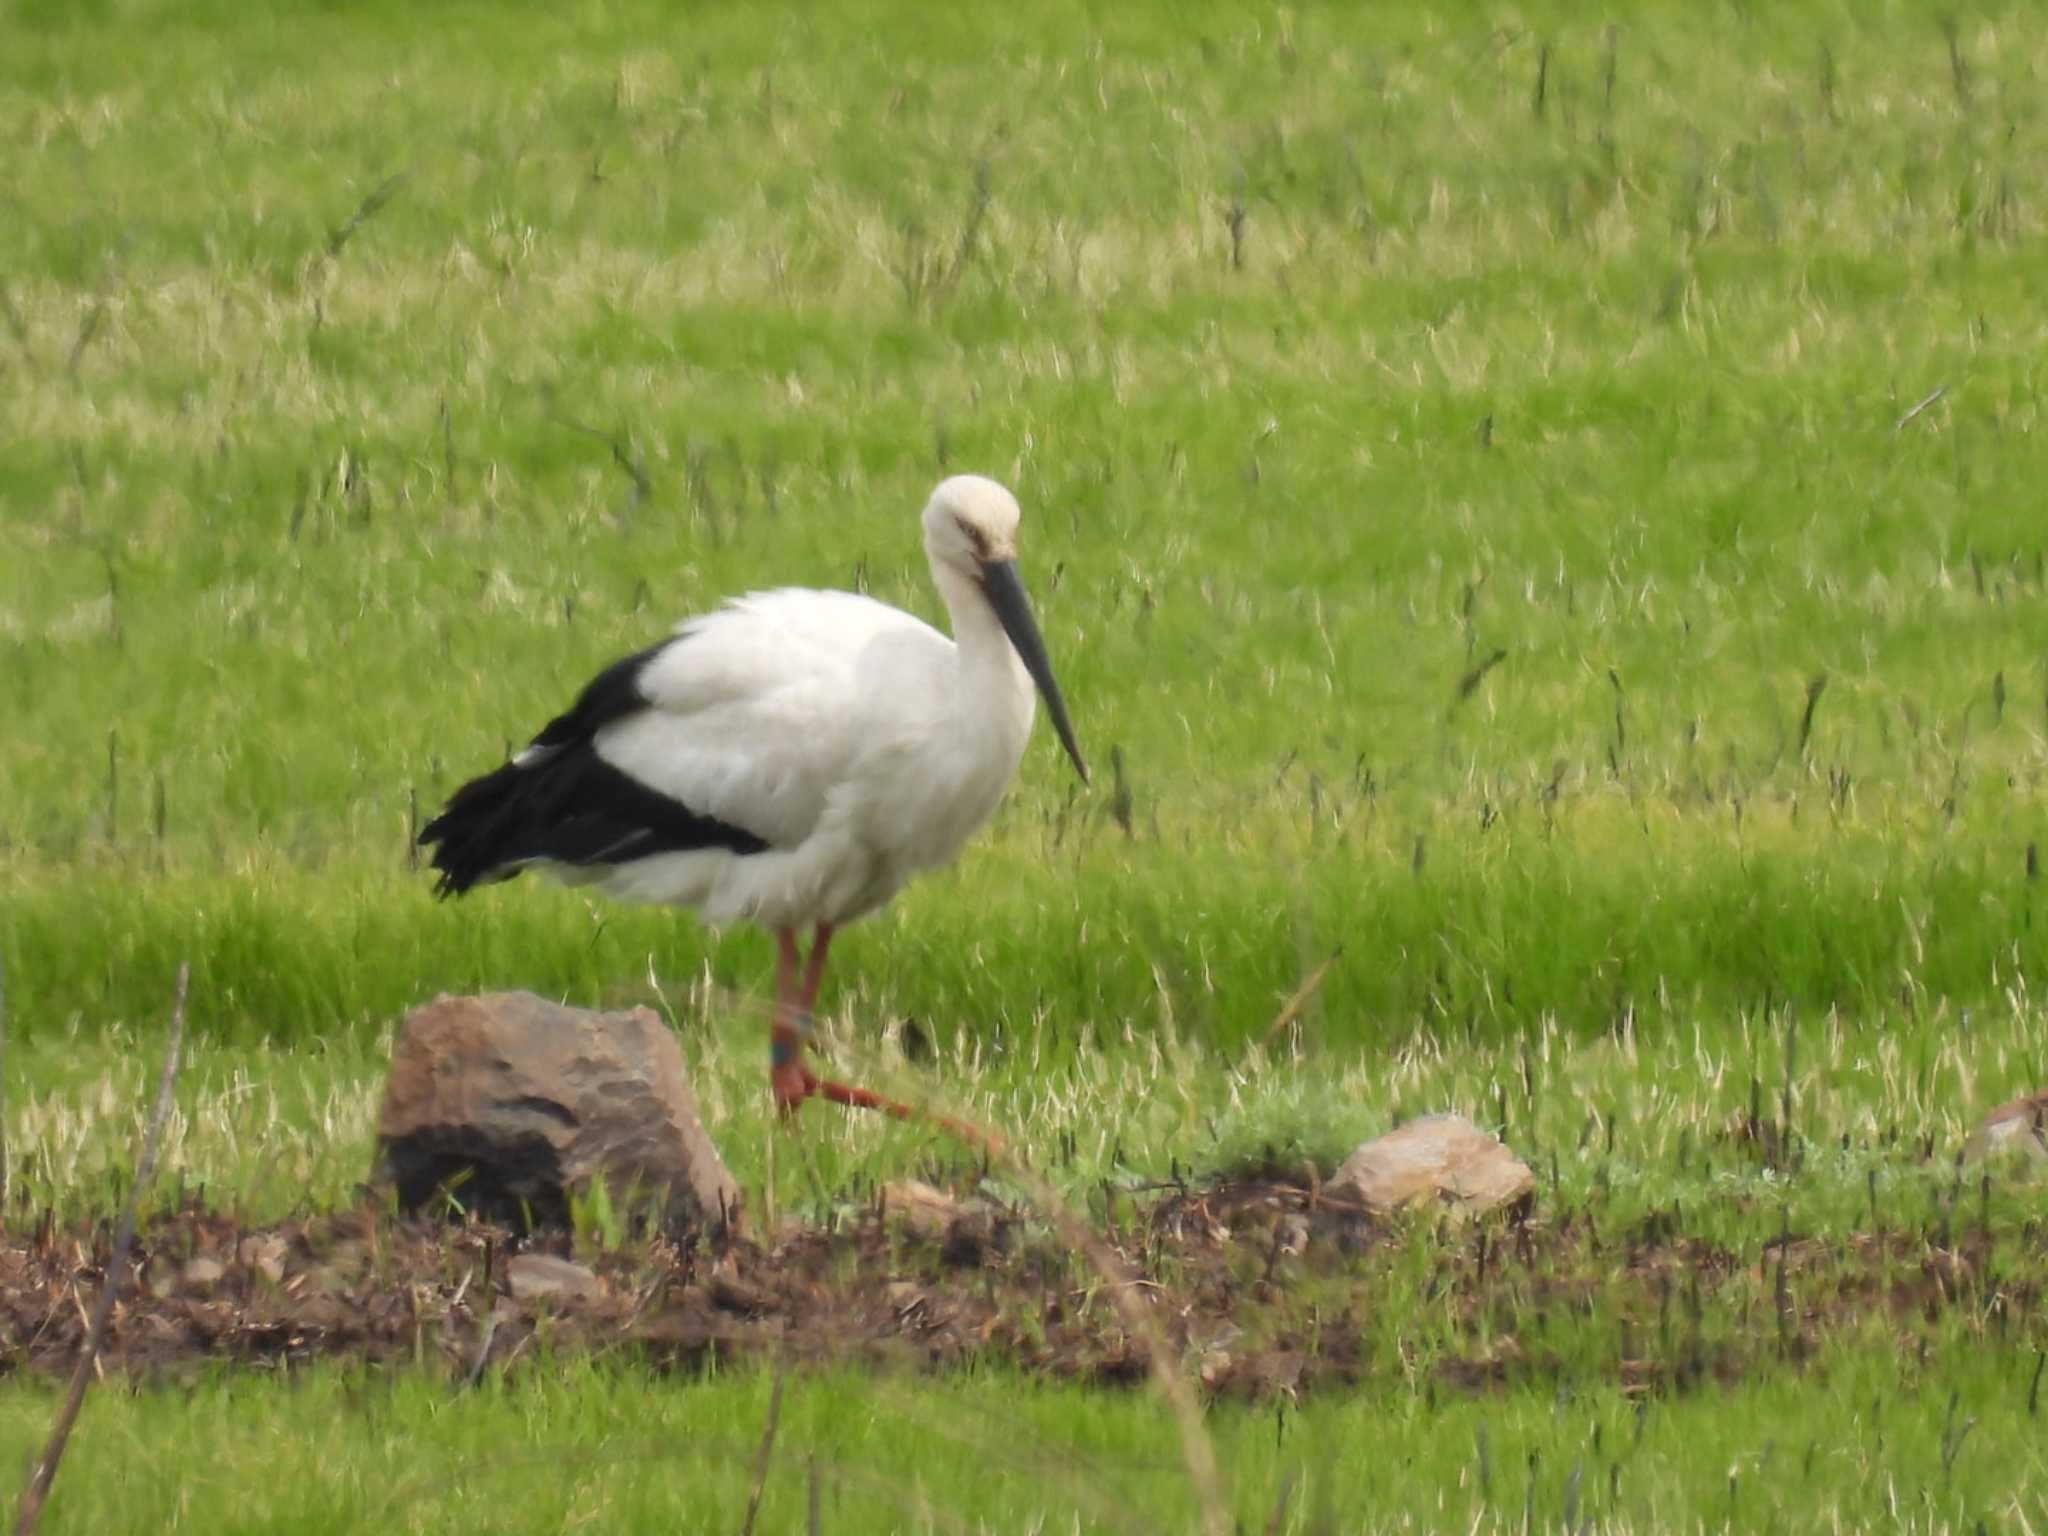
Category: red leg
[787,1078]
[794,1003]
[814,968]
[859,1098]
[807,999]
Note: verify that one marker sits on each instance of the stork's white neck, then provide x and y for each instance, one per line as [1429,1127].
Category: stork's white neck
[992,677]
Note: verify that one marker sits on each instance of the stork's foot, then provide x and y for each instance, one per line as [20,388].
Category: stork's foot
[791,1082]
[866,1098]
[859,1098]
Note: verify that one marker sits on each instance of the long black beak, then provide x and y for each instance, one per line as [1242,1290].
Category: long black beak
[1005,591]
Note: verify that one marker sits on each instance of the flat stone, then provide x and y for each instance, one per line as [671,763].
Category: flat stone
[1291,1234]
[513,1105]
[1438,1159]
[918,1207]
[265,1254]
[730,1291]
[963,1229]
[347,1262]
[203,1274]
[2019,1128]
[542,1276]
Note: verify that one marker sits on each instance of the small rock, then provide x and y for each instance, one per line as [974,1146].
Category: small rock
[731,1292]
[347,1262]
[1216,1365]
[1290,1234]
[326,1280]
[527,1102]
[203,1274]
[1442,1158]
[964,1229]
[542,1276]
[923,1210]
[905,1296]
[971,1235]
[1213,1359]
[2019,1128]
[265,1254]
[1277,1373]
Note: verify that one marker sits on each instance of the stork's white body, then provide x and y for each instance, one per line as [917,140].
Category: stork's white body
[792,759]
[858,741]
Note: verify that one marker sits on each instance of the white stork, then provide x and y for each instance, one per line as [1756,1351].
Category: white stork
[792,758]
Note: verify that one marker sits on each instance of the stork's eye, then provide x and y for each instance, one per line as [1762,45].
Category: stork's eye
[974,536]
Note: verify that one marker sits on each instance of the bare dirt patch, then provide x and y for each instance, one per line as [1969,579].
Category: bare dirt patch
[1262,1285]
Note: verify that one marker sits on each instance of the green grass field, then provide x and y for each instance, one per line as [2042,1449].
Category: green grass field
[1541,503]
[997,1454]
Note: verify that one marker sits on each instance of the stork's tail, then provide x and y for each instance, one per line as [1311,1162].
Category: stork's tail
[475,840]
[566,806]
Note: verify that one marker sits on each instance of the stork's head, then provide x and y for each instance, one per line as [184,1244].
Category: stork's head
[970,526]
[969,523]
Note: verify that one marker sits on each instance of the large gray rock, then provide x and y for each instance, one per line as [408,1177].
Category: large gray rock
[1439,1160]
[525,1102]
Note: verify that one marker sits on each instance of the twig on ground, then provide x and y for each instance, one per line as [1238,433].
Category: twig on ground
[1277,1521]
[636,469]
[366,210]
[88,328]
[970,231]
[762,1456]
[5,1170]
[17,327]
[1469,683]
[1900,424]
[1123,1288]
[38,1487]
[482,1358]
[1814,689]
[1291,1009]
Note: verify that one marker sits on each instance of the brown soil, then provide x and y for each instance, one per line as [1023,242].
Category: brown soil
[1260,1285]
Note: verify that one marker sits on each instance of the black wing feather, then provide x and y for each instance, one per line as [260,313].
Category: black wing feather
[567,804]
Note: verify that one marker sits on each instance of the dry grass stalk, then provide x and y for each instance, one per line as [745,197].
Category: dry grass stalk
[1291,1009]
[38,1487]
[1122,1286]
[767,1451]
[4,1182]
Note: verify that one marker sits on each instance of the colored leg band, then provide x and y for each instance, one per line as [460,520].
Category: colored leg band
[787,1040]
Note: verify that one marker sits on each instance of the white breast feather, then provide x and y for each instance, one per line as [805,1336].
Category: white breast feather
[767,706]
